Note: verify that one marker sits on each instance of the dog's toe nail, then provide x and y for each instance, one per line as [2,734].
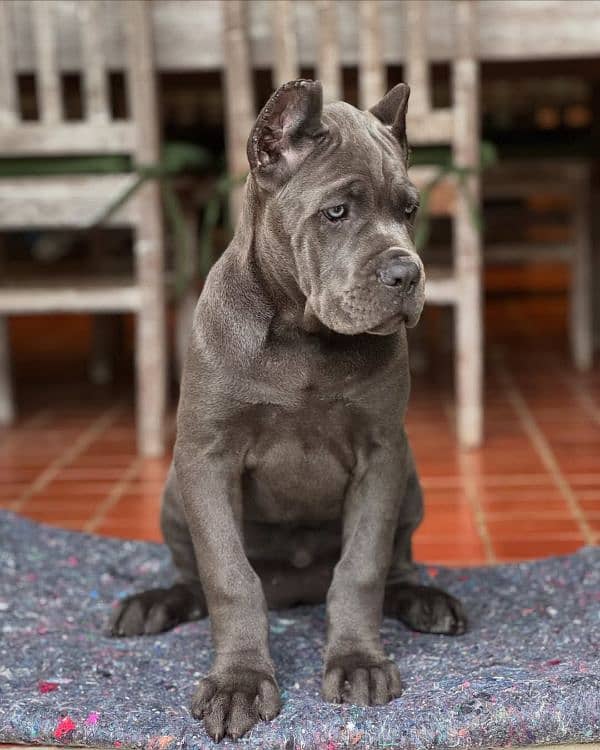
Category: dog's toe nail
[378,685]
[394,681]
[157,620]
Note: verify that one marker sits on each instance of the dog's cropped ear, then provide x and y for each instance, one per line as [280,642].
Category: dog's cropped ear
[286,130]
[391,110]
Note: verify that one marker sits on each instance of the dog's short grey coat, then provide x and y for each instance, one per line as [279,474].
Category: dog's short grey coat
[293,480]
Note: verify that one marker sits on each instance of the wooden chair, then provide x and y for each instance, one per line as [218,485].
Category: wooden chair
[457,126]
[74,201]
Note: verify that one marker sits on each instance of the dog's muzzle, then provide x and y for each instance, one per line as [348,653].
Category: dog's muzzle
[403,279]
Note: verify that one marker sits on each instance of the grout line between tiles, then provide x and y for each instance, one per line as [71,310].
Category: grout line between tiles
[470,489]
[588,495]
[85,439]
[113,496]
[586,400]
[594,477]
[524,515]
[542,446]
[491,480]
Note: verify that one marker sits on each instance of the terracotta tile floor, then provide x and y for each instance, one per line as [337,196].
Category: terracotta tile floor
[532,490]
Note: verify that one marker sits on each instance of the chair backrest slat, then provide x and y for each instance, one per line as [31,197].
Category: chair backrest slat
[239,97]
[8,88]
[97,103]
[417,64]
[285,47]
[371,69]
[465,82]
[328,50]
[141,80]
[48,76]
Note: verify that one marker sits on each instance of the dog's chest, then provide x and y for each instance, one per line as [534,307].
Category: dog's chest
[317,416]
[300,462]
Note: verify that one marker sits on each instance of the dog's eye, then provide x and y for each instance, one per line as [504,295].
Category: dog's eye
[410,210]
[336,213]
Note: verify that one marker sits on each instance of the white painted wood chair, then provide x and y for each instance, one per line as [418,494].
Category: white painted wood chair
[457,127]
[74,201]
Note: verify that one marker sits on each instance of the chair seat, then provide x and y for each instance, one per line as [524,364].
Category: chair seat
[69,294]
[65,201]
[441,286]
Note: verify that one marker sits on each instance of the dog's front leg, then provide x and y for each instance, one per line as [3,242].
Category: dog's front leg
[240,688]
[356,669]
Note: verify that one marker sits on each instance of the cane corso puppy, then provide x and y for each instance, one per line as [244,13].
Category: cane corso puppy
[293,480]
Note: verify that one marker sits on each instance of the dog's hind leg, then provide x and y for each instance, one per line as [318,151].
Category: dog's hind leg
[156,610]
[424,608]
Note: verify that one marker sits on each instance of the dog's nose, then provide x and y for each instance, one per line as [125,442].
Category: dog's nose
[402,273]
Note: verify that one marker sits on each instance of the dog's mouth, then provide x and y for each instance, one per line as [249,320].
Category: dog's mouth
[361,309]
[390,325]
[406,315]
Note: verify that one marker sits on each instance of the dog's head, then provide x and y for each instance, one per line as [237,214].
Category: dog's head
[334,185]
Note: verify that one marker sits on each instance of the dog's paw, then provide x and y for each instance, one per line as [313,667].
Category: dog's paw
[231,702]
[360,679]
[425,608]
[156,610]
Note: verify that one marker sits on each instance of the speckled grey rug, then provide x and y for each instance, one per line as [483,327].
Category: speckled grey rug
[528,671]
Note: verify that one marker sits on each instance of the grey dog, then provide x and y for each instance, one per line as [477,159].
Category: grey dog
[293,481]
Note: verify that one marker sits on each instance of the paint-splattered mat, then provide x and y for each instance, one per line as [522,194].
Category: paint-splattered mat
[527,672]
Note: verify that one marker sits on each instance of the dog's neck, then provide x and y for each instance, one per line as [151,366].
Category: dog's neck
[272,261]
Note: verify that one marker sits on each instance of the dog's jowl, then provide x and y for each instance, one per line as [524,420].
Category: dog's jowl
[293,480]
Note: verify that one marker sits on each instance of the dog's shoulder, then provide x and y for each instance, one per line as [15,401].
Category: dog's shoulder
[233,315]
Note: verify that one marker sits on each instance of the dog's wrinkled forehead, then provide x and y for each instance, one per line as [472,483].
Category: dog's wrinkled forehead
[361,132]
[357,145]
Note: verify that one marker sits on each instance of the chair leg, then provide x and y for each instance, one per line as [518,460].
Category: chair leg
[466,235]
[468,321]
[7,408]
[151,357]
[469,364]
[581,290]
